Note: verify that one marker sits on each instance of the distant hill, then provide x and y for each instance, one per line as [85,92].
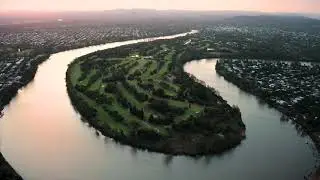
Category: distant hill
[294,22]
[119,16]
[151,15]
[273,19]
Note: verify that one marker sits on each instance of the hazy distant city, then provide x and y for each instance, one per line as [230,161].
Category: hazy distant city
[160,94]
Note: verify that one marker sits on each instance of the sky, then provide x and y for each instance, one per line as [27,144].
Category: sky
[309,6]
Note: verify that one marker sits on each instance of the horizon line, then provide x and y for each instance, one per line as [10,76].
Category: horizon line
[150,9]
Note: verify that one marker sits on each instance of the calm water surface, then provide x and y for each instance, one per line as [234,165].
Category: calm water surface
[44,139]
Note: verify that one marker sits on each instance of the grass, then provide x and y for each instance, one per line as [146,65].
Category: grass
[103,117]
[98,85]
[149,110]
[158,77]
[140,99]
[159,81]
[76,72]
[129,96]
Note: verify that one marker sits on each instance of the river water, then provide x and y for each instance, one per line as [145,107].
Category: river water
[43,138]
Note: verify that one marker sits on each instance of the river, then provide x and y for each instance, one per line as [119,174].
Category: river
[43,137]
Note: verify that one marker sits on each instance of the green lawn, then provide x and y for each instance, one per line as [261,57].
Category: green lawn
[145,98]
[159,80]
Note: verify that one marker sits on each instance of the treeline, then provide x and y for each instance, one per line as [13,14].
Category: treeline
[140,96]
[94,95]
[160,124]
[163,107]
[81,105]
[6,171]
[122,100]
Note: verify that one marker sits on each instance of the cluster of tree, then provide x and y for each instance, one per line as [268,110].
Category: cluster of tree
[93,78]
[82,77]
[166,86]
[146,86]
[159,92]
[122,100]
[115,76]
[159,56]
[126,104]
[163,107]
[148,133]
[94,95]
[151,50]
[115,115]
[170,67]
[130,66]
[136,112]
[102,64]
[215,111]
[160,64]
[81,105]
[153,72]
[140,96]
[81,88]
[187,125]
[148,64]
[135,74]
[6,171]
[197,93]
[155,119]
[144,70]
[111,87]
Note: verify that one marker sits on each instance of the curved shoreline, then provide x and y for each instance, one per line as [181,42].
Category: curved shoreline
[173,144]
[87,147]
[133,142]
[305,129]
[6,171]
[285,114]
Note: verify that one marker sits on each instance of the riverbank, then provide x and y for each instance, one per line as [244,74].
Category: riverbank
[291,88]
[6,171]
[17,74]
[78,147]
[8,92]
[140,96]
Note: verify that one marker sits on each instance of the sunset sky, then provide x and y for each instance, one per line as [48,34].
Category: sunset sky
[312,6]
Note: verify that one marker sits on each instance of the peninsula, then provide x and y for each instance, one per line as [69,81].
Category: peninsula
[140,95]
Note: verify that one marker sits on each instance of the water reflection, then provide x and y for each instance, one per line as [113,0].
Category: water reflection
[97,133]
[168,160]
[134,151]
[54,144]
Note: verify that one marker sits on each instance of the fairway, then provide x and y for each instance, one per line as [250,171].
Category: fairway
[140,95]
